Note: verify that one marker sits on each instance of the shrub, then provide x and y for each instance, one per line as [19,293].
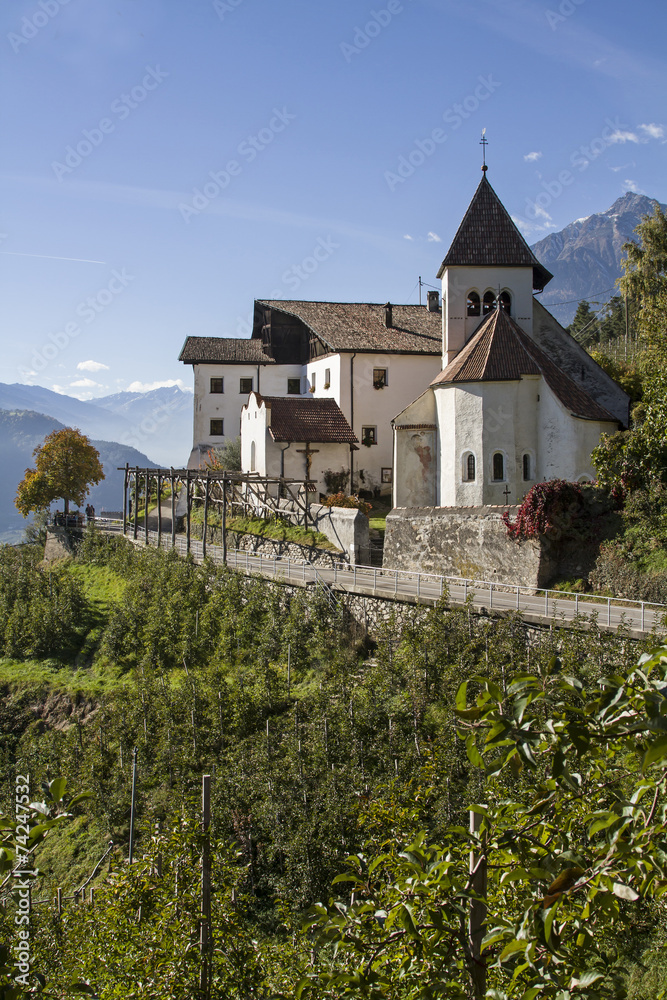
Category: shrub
[342,500]
[548,508]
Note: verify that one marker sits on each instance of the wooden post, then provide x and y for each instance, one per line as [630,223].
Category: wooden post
[205,514]
[205,937]
[146,481]
[136,501]
[159,510]
[173,508]
[59,900]
[125,483]
[477,913]
[134,795]
[187,515]
[224,519]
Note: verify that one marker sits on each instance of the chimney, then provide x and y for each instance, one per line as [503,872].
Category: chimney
[433,301]
[387,315]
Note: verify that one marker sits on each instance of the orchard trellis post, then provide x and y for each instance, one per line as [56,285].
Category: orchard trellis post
[205,935]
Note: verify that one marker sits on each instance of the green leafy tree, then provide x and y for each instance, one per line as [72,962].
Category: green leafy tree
[585,326]
[571,832]
[19,839]
[66,464]
[633,459]
[645,274]
[225,459]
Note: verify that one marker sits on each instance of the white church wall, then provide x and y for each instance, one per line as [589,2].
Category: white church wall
[458,281]
[416,454]
[566,442]
[254,422]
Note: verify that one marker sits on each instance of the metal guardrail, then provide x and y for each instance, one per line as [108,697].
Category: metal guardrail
[639,616]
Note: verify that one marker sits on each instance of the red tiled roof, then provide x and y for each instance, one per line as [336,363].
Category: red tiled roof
[360,326]
[501,351]
[227,350]
[296,418]
[487,237]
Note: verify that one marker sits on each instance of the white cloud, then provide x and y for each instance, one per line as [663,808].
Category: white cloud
[84,383]
[620,135]
[91,366]
[59,389]
[532,157]
[433,238]
[631,185]
[407,237]
[653,131]
[529,228]
[149,386]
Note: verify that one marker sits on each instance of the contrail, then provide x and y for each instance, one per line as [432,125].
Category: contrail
[80,260]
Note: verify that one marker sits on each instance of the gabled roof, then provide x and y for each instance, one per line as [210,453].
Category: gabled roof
[360,326]
[297,418]
[228,350]
[488,237]
[501,351]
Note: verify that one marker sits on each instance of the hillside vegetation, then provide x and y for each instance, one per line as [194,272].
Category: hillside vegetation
[323,747]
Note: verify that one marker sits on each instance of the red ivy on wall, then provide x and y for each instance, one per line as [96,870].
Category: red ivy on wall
[548,508]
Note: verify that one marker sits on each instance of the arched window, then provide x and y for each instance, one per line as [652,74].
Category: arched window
[252,456]
[498,466]
[526,468]
[505,302]
[473,304]
[489,303]
[469,468]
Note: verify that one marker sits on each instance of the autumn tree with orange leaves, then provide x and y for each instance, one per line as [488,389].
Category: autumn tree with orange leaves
[66,465]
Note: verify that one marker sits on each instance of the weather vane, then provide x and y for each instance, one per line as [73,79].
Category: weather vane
[484,143]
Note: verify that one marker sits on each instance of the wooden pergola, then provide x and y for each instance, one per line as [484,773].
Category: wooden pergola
[233,493]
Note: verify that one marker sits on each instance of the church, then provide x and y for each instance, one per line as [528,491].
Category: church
[518,400]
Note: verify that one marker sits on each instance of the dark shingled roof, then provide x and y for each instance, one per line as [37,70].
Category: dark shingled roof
[230,350]
[487,237]
[360,326]
[501,351]
[296,418]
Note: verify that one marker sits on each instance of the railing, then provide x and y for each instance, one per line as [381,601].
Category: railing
[430,587]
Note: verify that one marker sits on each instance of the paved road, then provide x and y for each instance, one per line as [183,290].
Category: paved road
[423,588]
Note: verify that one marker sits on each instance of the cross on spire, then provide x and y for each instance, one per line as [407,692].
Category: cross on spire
[484,143]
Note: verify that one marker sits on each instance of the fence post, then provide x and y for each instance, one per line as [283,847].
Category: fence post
[642,616]
[609,611]
[465,591]
[205,927]
[134,793]
[490,596]
[418,584]
[59,900]
[576,604]
[546,603]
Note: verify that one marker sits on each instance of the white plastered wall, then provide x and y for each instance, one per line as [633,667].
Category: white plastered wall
[458,281]
[416,454]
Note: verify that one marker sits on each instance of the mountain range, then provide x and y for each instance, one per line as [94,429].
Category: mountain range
[157,423]
[585,256]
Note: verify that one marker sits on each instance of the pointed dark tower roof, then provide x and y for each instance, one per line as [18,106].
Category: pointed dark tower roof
[501,351]
[488,237]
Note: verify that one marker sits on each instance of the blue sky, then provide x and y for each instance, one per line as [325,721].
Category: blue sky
[165,163]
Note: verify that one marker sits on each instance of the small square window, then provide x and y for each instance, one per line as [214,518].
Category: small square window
[216,428]
[293,386]
[380,378]
[217,385]
[369,436]
[245,384]
[387,475]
